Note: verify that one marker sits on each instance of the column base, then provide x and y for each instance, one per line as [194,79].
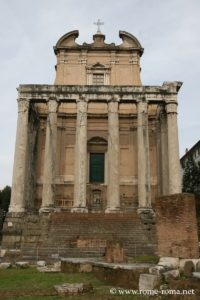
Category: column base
[47,210]
[110,210]
[79,210]
[16,209]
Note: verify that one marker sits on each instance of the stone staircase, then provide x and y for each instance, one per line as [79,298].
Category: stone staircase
[65,234]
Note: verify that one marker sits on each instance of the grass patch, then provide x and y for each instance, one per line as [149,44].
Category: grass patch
[30,278]
[29,284]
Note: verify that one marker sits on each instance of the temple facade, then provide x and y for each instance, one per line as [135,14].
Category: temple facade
[96,140]
[96,147]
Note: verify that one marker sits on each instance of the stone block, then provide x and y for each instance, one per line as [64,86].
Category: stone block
[85,268]
[13,253]
[198,266]
[157,270]
[188,268]
[196,275]
[183,261]
[48,269]
[22,264]
[169,263]
[57,265]
[66,289]
[172,274]
[5,265]
[41,263]
[148,281]
[2,253]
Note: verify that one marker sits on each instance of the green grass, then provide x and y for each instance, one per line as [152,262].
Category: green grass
[19,282]
[23,278]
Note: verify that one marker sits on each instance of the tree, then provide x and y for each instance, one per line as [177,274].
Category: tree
[5,195]
[191,176]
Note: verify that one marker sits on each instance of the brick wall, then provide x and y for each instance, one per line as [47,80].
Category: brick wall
[176,226]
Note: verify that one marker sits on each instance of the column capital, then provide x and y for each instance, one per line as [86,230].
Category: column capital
[82,98]
[23,104]
[113,106]
[114,98]
[82,105]
[142,106]
[171,107]
[172,86]
[52,105]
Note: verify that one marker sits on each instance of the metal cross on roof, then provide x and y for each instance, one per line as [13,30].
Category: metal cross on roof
[98,23]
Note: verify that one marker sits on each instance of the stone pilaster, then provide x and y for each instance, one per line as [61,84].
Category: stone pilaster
[80,174]
[49,174]
[113,195]
[17,203]
[144,184]
[173,148]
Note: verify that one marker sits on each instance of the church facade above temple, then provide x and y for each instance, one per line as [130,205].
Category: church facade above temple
[98,63]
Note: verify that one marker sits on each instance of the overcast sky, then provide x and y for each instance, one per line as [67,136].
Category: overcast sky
[169,31]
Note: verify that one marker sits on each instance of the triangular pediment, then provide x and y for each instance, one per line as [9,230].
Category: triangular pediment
[98,66]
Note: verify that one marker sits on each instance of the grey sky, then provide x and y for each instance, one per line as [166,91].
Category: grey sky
[168,30]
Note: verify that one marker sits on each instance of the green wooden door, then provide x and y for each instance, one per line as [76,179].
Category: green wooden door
[97,167]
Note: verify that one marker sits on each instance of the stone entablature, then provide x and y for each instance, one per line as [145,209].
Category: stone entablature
[153,94]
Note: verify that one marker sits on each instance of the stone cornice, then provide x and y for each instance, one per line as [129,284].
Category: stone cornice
[151,94]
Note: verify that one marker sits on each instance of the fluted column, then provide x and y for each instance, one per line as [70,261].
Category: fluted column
[113,195]
[173,149]
[17,203]
[80,174]
[144,184]
[49,174]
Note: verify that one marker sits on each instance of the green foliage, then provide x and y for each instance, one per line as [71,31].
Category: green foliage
[5,198]
[191,176]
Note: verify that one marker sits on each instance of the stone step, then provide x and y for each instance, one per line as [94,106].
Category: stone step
[64,229]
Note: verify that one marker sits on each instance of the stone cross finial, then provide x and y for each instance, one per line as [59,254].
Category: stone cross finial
[98,23]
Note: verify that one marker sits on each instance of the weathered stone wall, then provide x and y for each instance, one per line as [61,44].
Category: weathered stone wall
[176,226]
[77,234]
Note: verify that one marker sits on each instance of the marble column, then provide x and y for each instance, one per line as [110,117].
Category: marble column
[113,194]
[173,149]
[80,174]
[17,203]
[49,174]
[164,153]
[144,184]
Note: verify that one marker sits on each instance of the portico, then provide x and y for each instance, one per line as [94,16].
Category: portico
[142,123]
